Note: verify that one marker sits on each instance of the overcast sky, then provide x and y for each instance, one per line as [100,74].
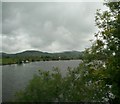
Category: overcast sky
[48,26]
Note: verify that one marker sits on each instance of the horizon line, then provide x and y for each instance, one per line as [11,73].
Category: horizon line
[41,51]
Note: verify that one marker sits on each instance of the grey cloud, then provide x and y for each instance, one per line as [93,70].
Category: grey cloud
[48,26]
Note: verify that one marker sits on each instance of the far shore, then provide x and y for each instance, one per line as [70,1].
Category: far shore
[20,63]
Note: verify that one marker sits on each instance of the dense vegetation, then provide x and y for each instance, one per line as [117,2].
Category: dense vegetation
[96,79]
[31,56]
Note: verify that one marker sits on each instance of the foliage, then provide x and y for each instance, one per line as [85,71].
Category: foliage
[51,86]
[31,56]
[103,58]
[43,87]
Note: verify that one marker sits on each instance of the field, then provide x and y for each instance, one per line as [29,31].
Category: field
[0,61]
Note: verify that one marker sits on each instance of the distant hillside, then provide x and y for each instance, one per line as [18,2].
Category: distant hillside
[31,56]
[34,53]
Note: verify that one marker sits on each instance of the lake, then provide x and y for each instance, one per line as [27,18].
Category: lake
[16,77]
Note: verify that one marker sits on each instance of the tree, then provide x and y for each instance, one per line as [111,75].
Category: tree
[106,50]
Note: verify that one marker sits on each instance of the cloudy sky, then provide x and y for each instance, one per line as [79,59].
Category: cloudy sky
[48,26]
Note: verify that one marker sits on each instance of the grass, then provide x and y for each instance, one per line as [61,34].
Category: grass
[0,61]
[6,61]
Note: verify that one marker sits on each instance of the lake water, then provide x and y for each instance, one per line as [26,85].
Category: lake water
[16,77]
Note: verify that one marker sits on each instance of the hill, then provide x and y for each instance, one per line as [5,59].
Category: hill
[33,55]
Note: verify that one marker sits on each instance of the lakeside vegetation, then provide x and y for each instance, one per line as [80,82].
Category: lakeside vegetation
[32,56]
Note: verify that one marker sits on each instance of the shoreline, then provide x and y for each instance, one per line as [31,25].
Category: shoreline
[36,61]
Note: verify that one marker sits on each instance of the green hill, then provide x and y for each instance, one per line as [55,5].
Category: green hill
[33,55]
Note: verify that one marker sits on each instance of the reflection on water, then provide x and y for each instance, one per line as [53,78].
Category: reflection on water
[16,77]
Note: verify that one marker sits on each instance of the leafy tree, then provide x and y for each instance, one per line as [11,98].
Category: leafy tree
[103,58]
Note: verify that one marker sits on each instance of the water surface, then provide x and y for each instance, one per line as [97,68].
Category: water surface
[16,77]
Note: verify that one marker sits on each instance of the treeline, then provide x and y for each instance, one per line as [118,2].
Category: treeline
[32,56]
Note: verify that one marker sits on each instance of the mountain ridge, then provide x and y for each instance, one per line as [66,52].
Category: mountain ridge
[37,53]
[33,55]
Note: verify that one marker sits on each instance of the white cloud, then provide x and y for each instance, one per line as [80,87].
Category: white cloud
[15,43]
[48,26]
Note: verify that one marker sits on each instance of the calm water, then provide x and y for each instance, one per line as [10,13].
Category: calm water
[16,77]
